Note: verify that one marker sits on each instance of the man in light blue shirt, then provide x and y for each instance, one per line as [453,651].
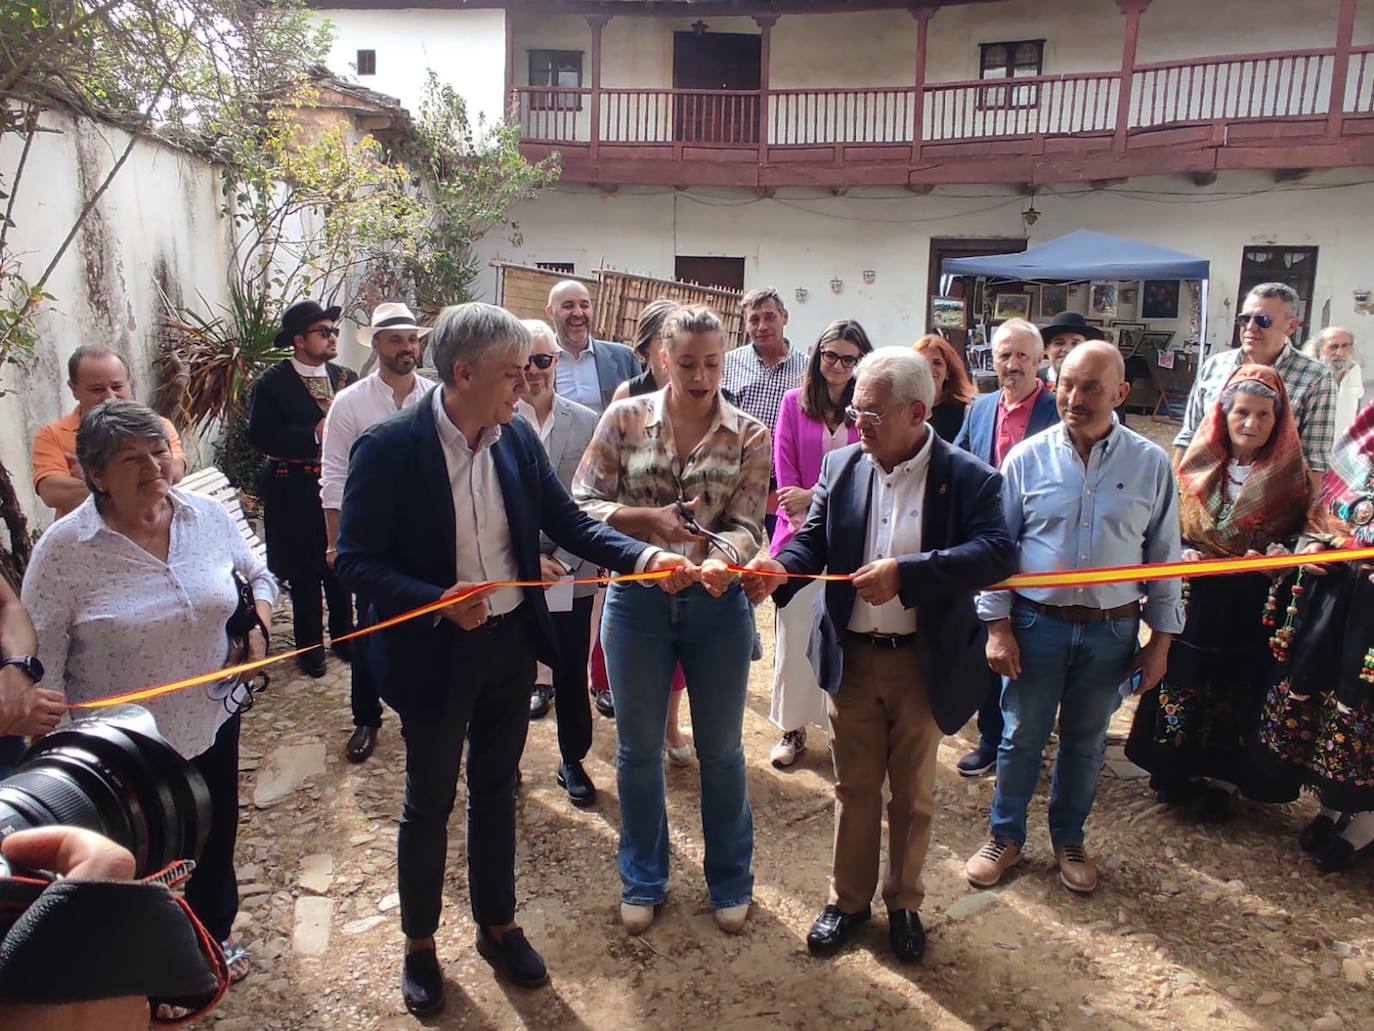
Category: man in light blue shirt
[589,370]
[1084,494]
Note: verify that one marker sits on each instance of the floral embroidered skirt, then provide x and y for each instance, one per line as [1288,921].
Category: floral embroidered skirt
[1203,719]
[1318,717]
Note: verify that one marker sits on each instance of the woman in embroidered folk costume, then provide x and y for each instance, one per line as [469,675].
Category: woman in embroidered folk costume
[1243,488]
[1318,719]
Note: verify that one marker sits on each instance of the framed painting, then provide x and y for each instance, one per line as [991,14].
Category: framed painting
[1159,299]
[1157,339]
[1011,306]
[1128,294]
[1102,300]
[1128,336]
[948,312]
[1054,300]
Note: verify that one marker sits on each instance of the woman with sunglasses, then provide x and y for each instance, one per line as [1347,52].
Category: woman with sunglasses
[134,587]
[811,424]
[953,388]
[684,469]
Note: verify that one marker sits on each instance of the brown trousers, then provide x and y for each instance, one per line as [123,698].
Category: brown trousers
[882,727]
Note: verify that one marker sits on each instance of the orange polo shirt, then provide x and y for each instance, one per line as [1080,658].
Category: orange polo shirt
[57,439]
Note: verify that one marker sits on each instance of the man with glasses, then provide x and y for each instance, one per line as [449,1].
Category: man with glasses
[286,423]
[565,429]
[918,523]
[1267,320]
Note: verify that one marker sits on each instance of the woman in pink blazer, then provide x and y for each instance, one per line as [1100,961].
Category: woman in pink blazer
[811,423]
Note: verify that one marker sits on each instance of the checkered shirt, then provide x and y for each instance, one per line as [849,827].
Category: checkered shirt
[758,387]
[1311,392]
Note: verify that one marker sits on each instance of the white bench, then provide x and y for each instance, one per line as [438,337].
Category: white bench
[211,483]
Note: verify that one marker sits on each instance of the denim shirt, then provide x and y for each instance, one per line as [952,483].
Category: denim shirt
[1121,509]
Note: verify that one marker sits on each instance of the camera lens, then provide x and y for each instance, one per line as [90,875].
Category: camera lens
[116,775]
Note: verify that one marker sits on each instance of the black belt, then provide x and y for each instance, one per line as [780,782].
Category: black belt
[884,640]
[495,622]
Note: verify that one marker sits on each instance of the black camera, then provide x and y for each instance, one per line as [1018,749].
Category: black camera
[116,775]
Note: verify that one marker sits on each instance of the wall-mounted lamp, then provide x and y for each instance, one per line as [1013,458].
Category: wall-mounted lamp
[836,285]
[1030,216]
[801,294]
[699,27]
[869,276]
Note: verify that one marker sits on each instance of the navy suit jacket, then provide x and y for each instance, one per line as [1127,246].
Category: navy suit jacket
[397,547]
[615,363]
[965,545]
[978,434]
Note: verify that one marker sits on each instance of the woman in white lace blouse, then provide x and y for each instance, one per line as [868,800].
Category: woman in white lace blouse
[133,588]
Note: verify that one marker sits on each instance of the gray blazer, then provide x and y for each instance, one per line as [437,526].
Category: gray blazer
[615,363]
[573,426]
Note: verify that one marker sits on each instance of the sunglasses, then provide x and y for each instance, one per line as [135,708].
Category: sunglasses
[1260,319]
[540,361]
[848,361]
[325,331]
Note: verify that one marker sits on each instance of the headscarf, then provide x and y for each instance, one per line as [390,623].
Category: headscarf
[1343,514]
[1273,502]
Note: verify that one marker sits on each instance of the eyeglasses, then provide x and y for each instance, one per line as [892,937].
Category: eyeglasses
[1260,319]
[325,331]
[855,414]
[540,361]
[238,697]
[848,361]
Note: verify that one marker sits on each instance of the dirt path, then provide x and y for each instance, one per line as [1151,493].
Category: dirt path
[1193,926]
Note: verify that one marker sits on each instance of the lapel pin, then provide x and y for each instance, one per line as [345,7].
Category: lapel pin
[944,488]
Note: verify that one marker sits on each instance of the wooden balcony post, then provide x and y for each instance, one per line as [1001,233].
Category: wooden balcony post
[765,22]
[597,22]
[1340,69]
[1132,9]
[918,102]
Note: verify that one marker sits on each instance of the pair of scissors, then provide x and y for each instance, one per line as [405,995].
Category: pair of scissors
[690,521]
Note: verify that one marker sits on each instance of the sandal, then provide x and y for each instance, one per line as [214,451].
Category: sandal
[236,959]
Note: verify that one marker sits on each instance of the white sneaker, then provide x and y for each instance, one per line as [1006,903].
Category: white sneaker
[679,756]
[731,918]
[636,918]
[785,752]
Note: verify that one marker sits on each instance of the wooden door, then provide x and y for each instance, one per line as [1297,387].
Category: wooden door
[960,247]
[726,273]
[716,61]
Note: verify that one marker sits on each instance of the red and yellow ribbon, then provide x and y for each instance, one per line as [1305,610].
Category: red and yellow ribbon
[1054,578]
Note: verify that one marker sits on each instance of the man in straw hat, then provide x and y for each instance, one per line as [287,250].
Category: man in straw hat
[286,423]
[398,342]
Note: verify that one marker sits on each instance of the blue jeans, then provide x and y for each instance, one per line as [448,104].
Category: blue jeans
[645,633]
[1074,670]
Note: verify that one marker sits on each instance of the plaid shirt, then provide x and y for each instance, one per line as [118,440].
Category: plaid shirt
[1311,391]
[756,386]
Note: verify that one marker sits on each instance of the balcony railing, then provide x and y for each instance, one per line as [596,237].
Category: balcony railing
[1107,111]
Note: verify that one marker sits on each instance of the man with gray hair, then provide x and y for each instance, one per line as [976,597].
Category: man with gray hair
[447,496]
[918,523]
[1268,319]
[1336,347]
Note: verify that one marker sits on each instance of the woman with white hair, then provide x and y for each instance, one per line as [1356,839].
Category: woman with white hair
[682,468]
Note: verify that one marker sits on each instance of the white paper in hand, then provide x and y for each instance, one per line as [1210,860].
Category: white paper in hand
[559,596]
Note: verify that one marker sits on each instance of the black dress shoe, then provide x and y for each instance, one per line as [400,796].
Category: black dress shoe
[513,957]
[1318,835]
[312,662]
[1173,791]
[604,703]
[422,983]
[1340,855]
[573,779]
[907,935]
[343,649]
[833,927]
[1217,804]
[360,744]
[539,701]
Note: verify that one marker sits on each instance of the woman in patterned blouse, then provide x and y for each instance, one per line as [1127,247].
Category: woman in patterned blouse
[683,449]
[133,587]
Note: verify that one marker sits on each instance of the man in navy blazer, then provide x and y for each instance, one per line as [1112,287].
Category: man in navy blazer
[443,497]
[918,523]
[1021,407]
[589,369]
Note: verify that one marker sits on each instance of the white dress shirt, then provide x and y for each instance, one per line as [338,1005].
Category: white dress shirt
[112,617]
[545,428]
[894,529]
[482,534]
[576,378]
[356,408]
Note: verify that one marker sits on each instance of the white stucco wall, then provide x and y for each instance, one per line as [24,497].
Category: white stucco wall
[805,238]
[157,225]
[466,48]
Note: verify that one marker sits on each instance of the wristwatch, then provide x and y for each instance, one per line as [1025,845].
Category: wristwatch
[28,663]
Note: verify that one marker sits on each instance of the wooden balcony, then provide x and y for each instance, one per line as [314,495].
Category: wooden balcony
[1286,111]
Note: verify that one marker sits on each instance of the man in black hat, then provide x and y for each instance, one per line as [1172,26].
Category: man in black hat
[286,423]
[1067,331]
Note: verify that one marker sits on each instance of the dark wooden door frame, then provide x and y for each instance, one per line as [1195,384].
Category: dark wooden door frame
[717,61]
[942,247]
